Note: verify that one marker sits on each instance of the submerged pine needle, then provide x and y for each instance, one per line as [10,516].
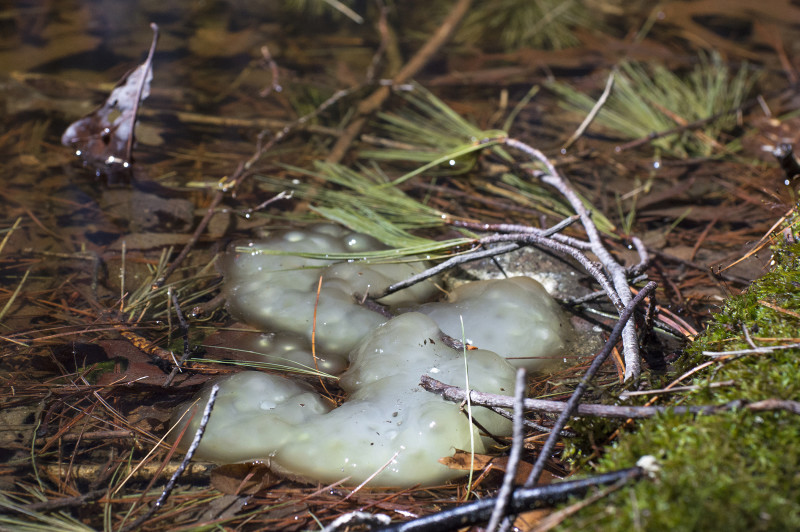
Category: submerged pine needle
[146,298]
[429,131]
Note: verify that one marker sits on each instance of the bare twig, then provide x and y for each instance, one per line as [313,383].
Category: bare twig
[518,443]
[676,389]
[644,257]
[747,336]
[528,423]
[198,435]
[621,294]
[591,267]
[387,47]
[64,502]
[556,518]
[517,228]
[756,351]
[446,265]
[493,401]
[774,404]
[357,519]
[269,61]
[185,333]
[488,252]
[523,499]
[696,124]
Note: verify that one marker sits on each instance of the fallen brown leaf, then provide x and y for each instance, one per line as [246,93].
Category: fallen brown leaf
[462,461]
[243,479]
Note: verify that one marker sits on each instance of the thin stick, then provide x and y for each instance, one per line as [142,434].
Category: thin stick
[756,351]
[522,500]
[448,264]
[345,10]
[64,502]
[556,518]
[518,443]
[9,233]
[691,125]
[122,279]
[621,294]
[357,520]
[592,114]
[13,297]
[519,238]
[491,252]
[676,389]
[198,435]
[518,228]
[530,424]
[493,401]
[185,333]
[388,38]
[591,267]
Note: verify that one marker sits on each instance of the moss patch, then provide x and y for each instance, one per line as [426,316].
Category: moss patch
[738,470]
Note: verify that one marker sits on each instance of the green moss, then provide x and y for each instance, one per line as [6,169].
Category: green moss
[738,470]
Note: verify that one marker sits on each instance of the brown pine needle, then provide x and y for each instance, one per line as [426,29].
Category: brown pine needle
[314,343]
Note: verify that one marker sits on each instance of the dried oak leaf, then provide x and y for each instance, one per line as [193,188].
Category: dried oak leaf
[462,460]
[102,139]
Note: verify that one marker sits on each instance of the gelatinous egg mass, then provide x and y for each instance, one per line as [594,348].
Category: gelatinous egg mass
[513,317]
[388,423]
[278,293]
[388,426]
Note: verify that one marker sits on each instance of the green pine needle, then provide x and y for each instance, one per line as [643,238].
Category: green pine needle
[644,97]
[536,23]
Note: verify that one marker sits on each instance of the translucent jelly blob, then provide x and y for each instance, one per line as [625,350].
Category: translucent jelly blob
[388,423]
[278,293]
[513,317]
